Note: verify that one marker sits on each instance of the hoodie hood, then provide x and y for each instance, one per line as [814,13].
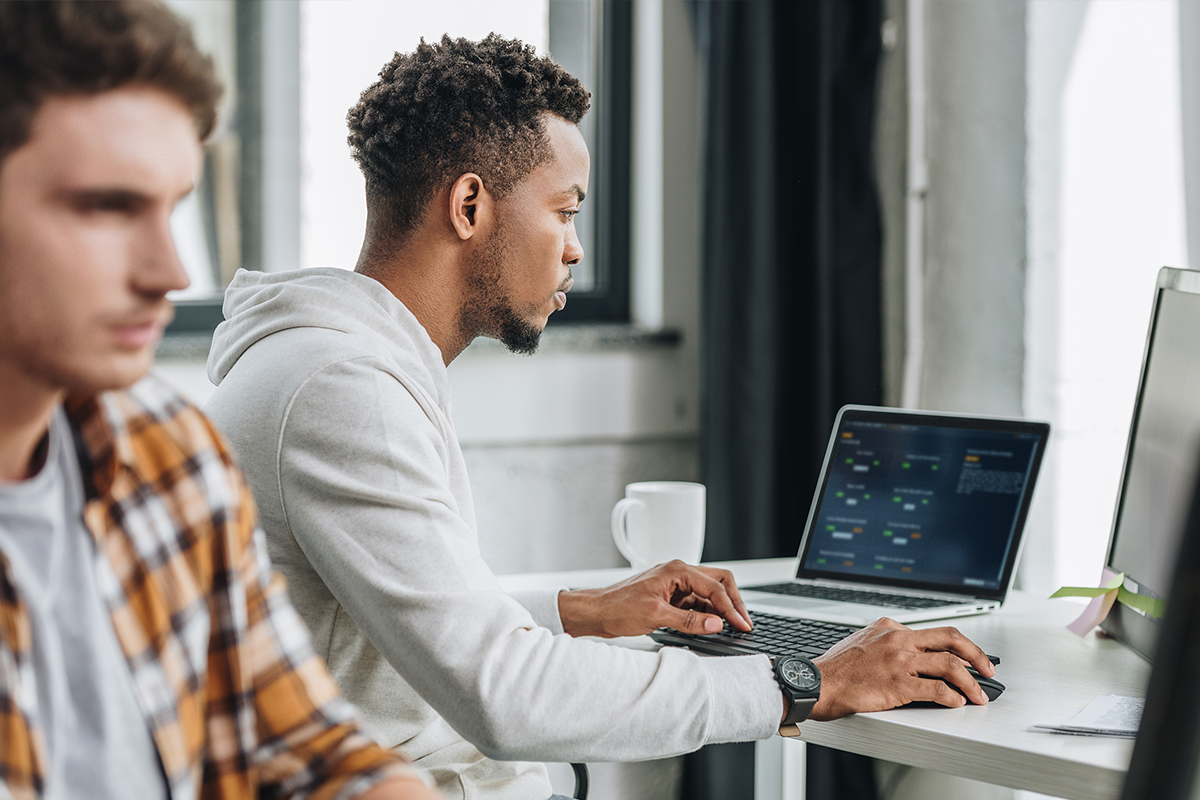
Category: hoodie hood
[258,304]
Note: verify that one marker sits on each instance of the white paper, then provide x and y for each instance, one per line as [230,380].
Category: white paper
[1113,715]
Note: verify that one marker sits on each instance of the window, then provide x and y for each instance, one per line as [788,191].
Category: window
[279,189]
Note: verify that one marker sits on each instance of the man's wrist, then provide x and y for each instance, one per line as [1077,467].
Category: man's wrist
[576,609]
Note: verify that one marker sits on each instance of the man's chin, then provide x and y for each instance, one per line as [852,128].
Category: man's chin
[119,371]
[521,338]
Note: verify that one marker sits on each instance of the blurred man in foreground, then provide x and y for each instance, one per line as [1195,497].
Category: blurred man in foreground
[146,648]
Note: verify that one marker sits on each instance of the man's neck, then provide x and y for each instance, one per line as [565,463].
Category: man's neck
[427,281]
[25,409]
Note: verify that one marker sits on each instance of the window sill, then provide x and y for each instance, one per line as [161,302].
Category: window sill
[590,338]
[574,338]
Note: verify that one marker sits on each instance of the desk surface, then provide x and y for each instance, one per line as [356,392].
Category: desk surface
[1048,671]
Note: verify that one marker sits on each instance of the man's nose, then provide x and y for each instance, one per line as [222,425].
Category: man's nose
[159,269]
[572,249]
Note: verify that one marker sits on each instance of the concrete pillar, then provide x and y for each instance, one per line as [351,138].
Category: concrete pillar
[975,210]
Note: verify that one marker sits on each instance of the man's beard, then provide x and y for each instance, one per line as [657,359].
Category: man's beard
[488,310]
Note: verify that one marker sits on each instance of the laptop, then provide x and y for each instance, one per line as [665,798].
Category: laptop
[917,516]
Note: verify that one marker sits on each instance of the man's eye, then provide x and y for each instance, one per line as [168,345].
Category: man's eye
[101,204]
[570,215]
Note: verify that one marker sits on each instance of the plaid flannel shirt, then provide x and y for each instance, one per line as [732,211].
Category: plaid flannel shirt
[236,700]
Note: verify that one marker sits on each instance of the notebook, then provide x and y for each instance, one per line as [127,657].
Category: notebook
[917,516]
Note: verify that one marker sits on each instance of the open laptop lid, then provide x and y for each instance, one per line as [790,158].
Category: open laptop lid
[923,500]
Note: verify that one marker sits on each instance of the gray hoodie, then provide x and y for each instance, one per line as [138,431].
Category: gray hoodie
[337,404]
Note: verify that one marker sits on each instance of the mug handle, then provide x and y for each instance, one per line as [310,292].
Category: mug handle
[620,532]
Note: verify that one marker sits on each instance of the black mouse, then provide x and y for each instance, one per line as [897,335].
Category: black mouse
[991,687]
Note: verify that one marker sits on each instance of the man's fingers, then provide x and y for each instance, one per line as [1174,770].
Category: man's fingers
[692,621]
[951,640]
[698,582]
[731,588]
[932,690]
[950,667]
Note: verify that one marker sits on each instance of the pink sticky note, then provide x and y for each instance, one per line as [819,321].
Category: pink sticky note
[1094,614]
[1096,610]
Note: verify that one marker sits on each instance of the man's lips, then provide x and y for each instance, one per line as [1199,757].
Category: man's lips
[143,330]
[560,297]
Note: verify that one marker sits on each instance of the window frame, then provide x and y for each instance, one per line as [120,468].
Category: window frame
[610,192]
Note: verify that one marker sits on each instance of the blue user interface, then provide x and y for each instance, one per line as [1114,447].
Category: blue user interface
[921,503]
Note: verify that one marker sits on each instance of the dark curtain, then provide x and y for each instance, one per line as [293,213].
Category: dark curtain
[791,284]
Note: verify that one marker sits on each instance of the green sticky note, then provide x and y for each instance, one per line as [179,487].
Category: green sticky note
[841,494]
[849,460]
[933,467]
[820,561]
[887,533]
[895,499]
[831,527]
[1090,591]
[1147,605]
[905,465]
[879,566]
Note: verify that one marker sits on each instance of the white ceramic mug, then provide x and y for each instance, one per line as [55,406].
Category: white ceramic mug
[658,521]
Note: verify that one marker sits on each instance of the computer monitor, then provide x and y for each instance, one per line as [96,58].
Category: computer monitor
[1156,486]
[1165,757]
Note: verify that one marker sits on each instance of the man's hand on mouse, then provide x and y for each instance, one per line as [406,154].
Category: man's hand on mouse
[673,595]
[881,667]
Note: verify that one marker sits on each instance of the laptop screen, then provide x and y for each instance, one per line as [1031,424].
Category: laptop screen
[923,500]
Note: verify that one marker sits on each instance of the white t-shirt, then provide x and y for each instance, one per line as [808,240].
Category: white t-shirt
[98,743]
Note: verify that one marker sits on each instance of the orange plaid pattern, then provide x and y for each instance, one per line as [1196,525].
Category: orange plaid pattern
[237,702]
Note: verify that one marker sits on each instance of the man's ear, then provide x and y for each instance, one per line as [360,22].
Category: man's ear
[471,205]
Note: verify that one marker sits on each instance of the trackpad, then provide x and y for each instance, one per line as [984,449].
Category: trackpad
[789,606]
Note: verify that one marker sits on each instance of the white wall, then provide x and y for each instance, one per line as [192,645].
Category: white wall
[1121,217]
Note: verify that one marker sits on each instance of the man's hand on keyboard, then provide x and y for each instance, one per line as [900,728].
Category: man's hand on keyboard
[880,667]
[672,595]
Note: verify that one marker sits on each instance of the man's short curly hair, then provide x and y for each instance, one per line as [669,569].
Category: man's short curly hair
[456,107]
[78,47]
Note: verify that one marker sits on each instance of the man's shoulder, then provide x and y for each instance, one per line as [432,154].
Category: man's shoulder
[149,427]
[152,406]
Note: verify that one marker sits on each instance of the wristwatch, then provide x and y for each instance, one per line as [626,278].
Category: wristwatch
[800,681]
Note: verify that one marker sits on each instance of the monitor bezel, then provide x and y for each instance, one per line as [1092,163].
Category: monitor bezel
[906,416]
[1140,633]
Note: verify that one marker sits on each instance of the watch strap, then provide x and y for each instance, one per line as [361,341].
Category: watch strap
[801,708]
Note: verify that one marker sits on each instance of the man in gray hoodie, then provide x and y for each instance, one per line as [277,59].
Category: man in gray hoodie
[332,387]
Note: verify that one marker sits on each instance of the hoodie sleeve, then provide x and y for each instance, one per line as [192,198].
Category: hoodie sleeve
[363,477]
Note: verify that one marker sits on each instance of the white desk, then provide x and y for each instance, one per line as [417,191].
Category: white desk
[1048,671]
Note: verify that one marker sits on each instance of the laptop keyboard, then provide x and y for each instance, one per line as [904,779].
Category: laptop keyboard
[772,635]
[850,595]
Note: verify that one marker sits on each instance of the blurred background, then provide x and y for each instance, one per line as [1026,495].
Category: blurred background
[930,203]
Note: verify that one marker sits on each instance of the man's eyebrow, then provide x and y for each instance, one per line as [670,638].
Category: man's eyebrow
[106,194]
[577,191]
[112,194]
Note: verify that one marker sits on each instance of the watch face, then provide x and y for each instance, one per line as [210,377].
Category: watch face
[799,673]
